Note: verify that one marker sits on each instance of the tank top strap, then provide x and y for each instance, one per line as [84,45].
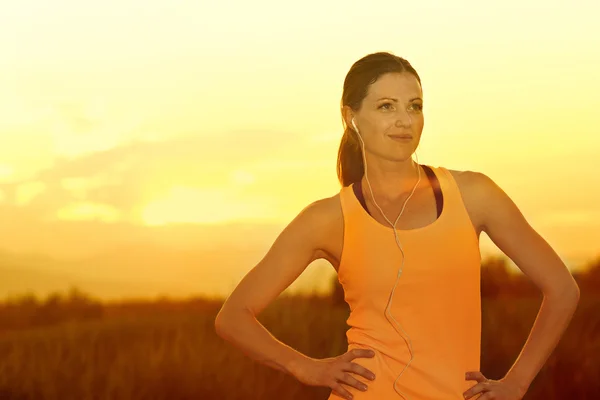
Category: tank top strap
[453,211]
[452,195]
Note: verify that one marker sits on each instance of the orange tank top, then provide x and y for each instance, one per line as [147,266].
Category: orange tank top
[436,303]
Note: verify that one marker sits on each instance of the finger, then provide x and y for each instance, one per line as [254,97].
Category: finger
[340,391]
[475,390]
[355,353]
[352,381]
[475,376]
[359,370]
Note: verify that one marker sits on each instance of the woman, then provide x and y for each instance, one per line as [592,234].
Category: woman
[412,284]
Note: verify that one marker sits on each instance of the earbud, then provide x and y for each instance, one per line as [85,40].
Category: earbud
[354,125]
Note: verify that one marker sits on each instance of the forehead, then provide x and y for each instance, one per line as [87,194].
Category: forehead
[396,85]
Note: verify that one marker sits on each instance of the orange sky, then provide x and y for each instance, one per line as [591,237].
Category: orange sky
[150,113]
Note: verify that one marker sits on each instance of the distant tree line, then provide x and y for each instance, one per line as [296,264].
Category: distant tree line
[28,311]
[498,281]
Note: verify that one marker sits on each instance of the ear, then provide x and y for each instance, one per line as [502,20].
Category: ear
[347,115]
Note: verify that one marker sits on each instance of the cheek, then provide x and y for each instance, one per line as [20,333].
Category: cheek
[388,125]
[418,118]
[418,124]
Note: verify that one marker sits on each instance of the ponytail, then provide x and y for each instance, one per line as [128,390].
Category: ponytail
[350,165]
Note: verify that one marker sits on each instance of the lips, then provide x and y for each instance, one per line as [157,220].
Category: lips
[401,136]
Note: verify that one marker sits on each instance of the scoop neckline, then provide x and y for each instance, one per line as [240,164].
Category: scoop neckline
[388,227]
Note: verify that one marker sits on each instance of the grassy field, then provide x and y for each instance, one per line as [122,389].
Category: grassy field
[169,349]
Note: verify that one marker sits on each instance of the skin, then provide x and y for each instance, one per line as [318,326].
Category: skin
[390,168]
[317,232]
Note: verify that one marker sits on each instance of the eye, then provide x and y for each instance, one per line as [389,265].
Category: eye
[417,106]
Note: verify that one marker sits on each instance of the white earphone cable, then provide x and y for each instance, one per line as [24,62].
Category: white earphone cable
[387,310]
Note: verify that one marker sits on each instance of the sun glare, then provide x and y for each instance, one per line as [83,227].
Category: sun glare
[202,206]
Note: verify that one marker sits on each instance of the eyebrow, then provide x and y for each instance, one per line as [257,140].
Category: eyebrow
[396,100]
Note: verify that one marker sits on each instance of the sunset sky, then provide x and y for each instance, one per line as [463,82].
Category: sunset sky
[147,113]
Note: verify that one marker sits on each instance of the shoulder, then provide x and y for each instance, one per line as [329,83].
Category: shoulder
[471,182]
[459,174]
[327,210]
[476,183]
[324,219]
[323,215]
[465,180]
[324,206]
[476,190]
[484,198]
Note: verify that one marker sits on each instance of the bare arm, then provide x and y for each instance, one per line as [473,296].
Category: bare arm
[293,250]
[509,230]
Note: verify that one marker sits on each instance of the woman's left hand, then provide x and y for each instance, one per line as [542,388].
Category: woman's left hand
[492,390]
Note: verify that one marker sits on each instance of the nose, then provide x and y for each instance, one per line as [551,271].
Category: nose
[401,122]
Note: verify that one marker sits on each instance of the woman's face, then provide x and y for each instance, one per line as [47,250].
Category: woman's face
[393,106]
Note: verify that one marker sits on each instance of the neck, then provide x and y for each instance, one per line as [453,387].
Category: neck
[391,181]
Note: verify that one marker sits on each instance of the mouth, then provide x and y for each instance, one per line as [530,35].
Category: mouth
[401,138]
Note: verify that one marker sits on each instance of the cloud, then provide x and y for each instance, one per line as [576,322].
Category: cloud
[87,211]
[28,191]
[68,127]
[117,181]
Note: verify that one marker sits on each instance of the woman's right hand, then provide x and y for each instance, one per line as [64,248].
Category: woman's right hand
[332,372]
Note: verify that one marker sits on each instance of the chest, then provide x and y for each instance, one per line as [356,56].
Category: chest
[423,213]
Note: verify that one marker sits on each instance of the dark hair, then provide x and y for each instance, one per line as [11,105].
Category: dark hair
[362,74]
